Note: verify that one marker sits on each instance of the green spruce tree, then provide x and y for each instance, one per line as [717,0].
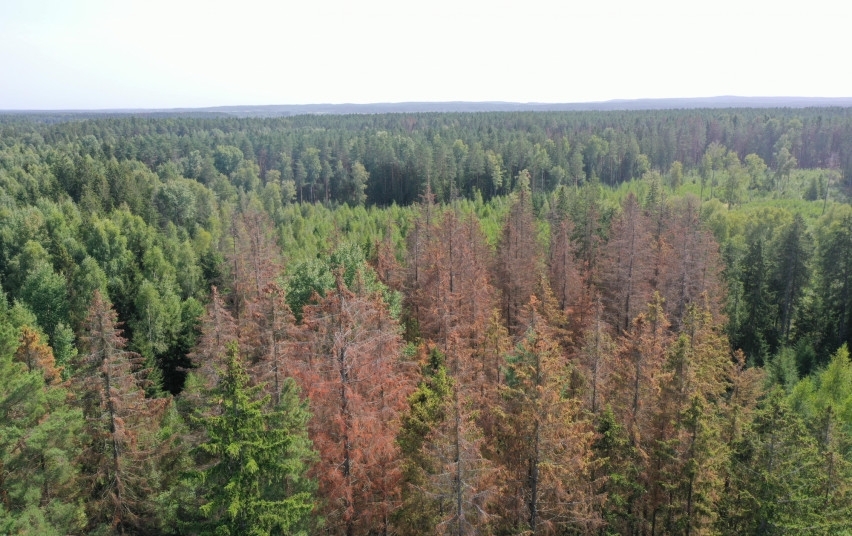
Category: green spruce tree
[253,463]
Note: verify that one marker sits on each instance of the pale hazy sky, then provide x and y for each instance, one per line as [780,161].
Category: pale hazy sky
[97,54]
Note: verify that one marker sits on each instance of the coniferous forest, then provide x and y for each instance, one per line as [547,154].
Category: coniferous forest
[603,323]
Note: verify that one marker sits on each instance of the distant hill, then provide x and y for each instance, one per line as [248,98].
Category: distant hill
[461,106]
[282,110]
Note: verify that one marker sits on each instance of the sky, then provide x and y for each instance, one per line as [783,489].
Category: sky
[109,54]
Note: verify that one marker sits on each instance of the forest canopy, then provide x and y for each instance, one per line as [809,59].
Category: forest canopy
[552,322]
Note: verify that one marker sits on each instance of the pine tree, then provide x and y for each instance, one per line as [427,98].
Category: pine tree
[40,491]
[254,459]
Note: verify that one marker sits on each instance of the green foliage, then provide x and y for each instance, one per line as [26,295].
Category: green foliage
[39,445]
[782,369]
[307,278]
[778,478]
[315,277]
[827,392]
[616,473]
[135,208]
[227,158]
[254,460]
[427,408]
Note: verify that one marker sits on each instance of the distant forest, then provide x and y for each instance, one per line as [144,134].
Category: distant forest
[584,322]
[457,154]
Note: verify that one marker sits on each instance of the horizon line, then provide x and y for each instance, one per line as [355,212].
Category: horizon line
[617,101]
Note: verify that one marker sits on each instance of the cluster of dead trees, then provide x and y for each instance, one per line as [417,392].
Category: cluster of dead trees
[561,387]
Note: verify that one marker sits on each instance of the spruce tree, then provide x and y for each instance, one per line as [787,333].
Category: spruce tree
[254,460]
[777,476]
[121,455]
[627,266]
[518,267]
[546,443]
[358,388]
[427,408]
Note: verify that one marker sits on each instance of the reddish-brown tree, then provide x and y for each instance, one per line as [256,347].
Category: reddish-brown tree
[386,265]
[255,261]
[218,328]
[563,267]
[634,382]
[265,325]
[693,267]
[120,456]
[357,386]
[546,443]
[452,295]
[453,303]
[37,355]
[659,218]
[595,358]
[626,269]
[276,332]
[518,263]
[418,239]
[486,376]
[456,312]
[587,242]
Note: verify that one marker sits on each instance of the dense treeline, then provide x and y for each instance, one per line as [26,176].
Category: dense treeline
[625,323]
[456,153]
